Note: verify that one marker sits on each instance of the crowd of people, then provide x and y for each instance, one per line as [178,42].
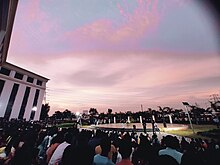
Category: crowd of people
[26,143]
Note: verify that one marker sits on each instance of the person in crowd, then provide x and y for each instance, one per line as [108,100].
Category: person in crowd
[102,159]
[96,140]
[184,145]
[55,142]
[166,160]
[144,125]
[79,152]
[153,126]
[143,153]
[58,153]
[155,143]
[125,149]
[45,144]
[172,144]
[26,151]
[113,150]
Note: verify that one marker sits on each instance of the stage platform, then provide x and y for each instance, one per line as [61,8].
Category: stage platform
[139,127]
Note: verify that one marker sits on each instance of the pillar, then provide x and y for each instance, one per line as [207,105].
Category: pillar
[129,119]
[114,119]
[141,120]
[170,118]
[153,117]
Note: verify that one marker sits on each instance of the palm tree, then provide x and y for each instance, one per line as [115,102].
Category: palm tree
[44,111]
[163,117]
[93,111]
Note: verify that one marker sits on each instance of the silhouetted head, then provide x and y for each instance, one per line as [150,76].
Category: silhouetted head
[58,138]
[105,146]
[171,142]
[125,149]
[68,137]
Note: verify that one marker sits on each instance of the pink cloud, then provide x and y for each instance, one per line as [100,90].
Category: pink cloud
[136,24]
[34,15]
[32,26]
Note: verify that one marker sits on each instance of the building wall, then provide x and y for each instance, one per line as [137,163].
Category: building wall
[7,15]
[20,98]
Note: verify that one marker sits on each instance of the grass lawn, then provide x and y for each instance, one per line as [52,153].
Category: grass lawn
[189,132]
[69,125]
[65,125]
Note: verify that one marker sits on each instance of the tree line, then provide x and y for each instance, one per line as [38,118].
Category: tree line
[198,115]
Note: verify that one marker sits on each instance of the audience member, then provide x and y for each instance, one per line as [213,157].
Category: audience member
[58,153]
[172,145]
[125,150]
[102,159]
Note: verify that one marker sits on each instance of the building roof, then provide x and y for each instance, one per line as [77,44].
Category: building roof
[24,71]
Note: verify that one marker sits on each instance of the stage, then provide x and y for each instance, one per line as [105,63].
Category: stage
[139,127]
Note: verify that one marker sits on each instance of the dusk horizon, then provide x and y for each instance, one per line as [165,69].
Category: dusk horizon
[119,54]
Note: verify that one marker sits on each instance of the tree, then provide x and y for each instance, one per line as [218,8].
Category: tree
[58,115]
[168,110]
[109,111]
[215,106]
[197,112]
[163,116]
[93,111]
[67,114]
[44,111]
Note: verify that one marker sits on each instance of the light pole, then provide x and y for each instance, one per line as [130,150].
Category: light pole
[187,112]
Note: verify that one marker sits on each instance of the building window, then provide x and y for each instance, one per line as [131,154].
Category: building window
[34,109]
[39,82]
[30,79]
[2,83]
[24,103]
[19,76]
[5,71]
[36,97]
[11,101]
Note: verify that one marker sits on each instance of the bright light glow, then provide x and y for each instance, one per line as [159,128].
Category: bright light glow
[34,109]
[77,113]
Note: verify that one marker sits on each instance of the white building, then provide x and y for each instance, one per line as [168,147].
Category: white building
[21,91]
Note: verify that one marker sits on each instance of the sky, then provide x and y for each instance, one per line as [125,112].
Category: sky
[119,54]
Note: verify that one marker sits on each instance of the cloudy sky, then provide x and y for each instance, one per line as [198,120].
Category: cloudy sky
[119,54]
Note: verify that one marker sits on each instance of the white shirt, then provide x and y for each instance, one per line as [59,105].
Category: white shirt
[58,153]
[172,152]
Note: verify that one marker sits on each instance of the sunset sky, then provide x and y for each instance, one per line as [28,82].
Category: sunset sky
[119,54]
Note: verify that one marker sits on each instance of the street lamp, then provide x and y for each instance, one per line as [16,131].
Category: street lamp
[187,112]
[33,111]
[34,108]
[77,114]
